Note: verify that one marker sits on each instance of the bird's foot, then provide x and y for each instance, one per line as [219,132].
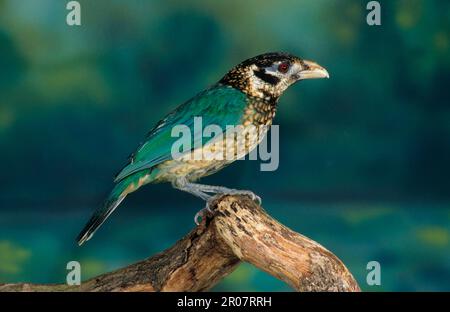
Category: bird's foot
[200,215]
[209,209]
[221,190]
[203,191]
[203,212]
[250,194]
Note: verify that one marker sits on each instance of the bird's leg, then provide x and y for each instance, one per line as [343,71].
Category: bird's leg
[183,184]
[201,190]
[195,188]
[228,191]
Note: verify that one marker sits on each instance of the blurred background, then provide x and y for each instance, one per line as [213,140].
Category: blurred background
[364,156]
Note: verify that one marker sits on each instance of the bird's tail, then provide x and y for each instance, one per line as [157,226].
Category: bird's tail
[117,195]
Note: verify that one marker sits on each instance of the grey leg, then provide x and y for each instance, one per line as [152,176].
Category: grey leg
[224,190]
[201,190]
[183,185]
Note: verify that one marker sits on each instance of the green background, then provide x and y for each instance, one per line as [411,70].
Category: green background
[364,156]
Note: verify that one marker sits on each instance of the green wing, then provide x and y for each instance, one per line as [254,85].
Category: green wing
[219,105]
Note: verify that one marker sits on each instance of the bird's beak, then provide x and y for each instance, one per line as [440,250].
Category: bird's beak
[311,70]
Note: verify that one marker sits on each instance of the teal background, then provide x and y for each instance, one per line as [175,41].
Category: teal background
[364,156]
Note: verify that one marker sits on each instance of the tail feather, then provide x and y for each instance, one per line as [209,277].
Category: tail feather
[118,194]
[98,219]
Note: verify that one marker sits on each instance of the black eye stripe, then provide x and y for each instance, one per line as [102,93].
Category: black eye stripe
[273,80]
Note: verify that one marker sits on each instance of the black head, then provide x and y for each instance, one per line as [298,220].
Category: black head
[269,75]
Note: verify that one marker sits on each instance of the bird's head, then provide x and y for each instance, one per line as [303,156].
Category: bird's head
[269,75]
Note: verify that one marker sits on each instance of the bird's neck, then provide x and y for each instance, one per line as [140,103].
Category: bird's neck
[261,101]
[259,111]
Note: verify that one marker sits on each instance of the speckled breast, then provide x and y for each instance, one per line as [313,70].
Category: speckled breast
[235,143]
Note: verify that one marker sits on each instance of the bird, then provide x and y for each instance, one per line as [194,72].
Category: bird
[246,95]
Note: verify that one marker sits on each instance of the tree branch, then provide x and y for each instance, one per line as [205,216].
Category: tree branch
[240,230]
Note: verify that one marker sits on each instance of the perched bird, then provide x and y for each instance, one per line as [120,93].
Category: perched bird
[247,95]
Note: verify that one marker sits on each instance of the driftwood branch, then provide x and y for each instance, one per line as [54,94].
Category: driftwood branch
[240,230]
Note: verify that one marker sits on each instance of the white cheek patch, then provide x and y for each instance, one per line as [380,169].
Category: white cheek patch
[273,70]
[261,83]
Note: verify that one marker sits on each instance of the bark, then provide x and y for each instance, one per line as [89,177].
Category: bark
[239,230]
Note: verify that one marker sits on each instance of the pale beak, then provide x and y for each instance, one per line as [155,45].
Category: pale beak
[311,70]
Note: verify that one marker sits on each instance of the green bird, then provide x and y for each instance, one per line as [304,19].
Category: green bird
[246,96]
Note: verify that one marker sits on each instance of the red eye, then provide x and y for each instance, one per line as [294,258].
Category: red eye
[283,67]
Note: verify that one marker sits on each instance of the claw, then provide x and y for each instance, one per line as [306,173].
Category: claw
[208,208]
[201,213]
[257,199]
[198,215]
[250,194]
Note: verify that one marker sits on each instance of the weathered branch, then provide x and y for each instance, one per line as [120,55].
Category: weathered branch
[240,230]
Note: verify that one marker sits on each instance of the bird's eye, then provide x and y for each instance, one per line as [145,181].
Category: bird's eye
[283,67]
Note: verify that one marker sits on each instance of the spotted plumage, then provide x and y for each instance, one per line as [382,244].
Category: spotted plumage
[246,97]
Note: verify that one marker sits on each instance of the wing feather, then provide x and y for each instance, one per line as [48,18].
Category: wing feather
[219,105]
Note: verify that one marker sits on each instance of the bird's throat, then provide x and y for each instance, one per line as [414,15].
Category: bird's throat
[259,111]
